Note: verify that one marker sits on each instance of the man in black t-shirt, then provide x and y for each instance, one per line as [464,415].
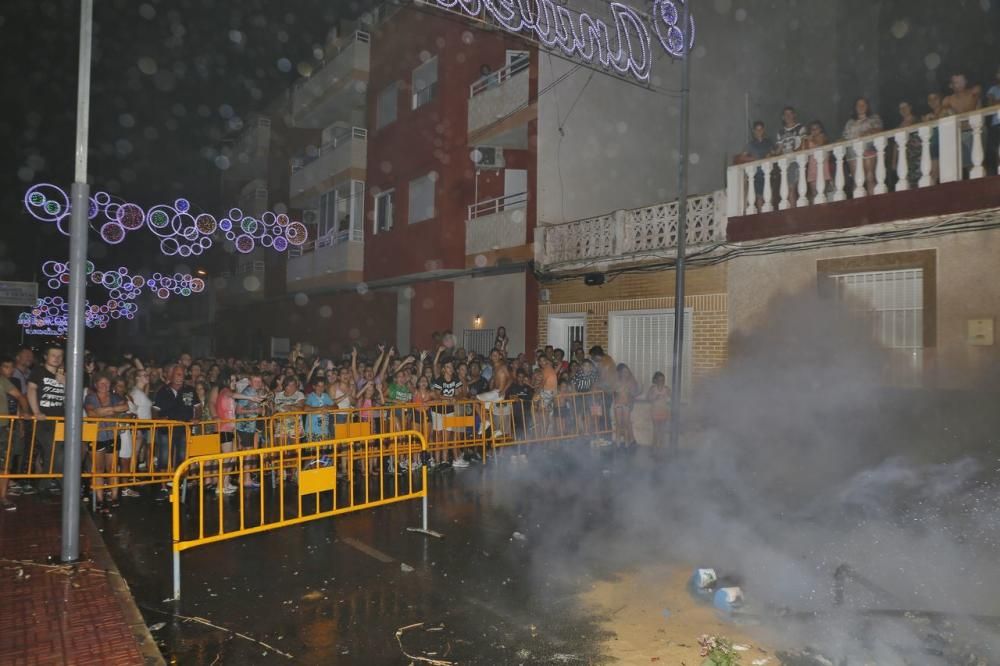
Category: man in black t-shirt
[47,399]
[175,401]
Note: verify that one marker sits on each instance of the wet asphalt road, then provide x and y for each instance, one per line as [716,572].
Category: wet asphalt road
[335,591]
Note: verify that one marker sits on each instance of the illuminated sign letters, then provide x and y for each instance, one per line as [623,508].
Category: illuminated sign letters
[622,44]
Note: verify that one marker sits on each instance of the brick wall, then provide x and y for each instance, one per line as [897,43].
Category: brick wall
[706,297]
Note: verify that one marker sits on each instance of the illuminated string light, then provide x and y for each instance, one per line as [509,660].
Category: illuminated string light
[624,47]
[180,231]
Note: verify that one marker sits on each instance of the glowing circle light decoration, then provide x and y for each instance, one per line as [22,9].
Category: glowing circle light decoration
[181,231]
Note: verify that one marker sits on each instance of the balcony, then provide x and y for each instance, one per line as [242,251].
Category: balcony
[330,260]
[627,236]
[499,109]
[497,224]
[344,152]
[253,198]
[926,169]
[337,88]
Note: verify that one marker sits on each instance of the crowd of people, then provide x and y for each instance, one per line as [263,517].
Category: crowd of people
[549,391]
[793,137]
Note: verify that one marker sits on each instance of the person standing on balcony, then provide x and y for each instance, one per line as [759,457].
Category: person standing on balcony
[758,148]
[937,111]
[863,122]
[816,139]
[789,140]
[964,99]
[993,142]
[913,145]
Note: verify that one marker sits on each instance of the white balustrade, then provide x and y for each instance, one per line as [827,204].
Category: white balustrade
[821,159]
[839,182]
[944,150]
[629,233]
[783,187]
[902,166]
[859,169]
[976,126]
[768,196]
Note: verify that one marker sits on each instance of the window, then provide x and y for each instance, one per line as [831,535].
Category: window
[517,61]
[479,340]
[425,82]
[644,341]
[385,111]
[383,210]
[893,301]
[340,210]
[421,199]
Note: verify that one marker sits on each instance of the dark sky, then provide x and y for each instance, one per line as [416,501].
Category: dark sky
[169,78]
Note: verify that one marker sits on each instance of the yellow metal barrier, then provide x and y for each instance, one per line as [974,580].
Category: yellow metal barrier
[566,416]
[117,452]
[280,486]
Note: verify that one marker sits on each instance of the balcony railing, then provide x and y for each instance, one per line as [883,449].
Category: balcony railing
[496,224]
[494,79]
[498,95]
[328,239]
[920,155]
[340,138]
[628,234]
[493,206]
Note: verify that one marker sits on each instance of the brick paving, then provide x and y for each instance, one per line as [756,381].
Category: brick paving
[63,615]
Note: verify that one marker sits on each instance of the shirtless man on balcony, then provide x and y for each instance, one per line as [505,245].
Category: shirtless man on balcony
[961,100]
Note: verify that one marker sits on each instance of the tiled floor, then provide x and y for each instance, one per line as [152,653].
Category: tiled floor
[54,614]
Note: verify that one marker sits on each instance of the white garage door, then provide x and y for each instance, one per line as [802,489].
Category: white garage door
[644,340]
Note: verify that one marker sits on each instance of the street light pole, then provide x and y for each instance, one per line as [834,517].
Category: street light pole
[79,214]
[682,189]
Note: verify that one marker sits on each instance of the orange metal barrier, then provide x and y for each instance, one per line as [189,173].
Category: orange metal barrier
[237,493]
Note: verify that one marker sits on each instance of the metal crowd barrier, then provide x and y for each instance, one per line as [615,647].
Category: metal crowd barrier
[131,452]
[287,485]
[117,452]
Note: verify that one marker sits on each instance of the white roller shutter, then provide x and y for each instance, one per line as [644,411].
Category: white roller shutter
[644,340]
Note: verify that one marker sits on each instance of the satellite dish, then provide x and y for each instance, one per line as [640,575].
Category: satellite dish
[476,156]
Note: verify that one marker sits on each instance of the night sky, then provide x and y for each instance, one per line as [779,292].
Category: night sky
[170,78]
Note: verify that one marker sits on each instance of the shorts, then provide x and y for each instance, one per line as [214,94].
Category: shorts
[226,436]
[5,445]
[244,439]
[104,446]
[548,399]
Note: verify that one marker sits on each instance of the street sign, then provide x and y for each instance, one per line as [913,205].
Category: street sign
[20,294]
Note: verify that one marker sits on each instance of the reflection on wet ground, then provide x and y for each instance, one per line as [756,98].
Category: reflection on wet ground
[337,591]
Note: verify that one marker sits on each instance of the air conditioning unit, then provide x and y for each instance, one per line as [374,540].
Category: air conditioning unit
[490,157]
[310,217]
[544,295]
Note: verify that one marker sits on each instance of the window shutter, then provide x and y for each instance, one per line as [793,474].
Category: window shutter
[644,341]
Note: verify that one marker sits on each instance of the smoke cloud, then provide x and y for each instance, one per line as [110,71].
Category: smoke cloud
[797,461]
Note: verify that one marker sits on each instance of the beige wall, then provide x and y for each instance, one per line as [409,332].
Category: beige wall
[498,299]
[967,288]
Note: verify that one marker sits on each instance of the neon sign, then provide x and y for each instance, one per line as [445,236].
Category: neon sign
[624,47]
[181,231]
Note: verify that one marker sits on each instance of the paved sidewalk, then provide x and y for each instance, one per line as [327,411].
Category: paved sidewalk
[53,614]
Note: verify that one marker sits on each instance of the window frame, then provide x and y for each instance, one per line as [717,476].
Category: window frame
[410,208]
[389,194]
[379,121]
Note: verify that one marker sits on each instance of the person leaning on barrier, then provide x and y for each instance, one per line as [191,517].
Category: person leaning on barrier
[47,398]
[175,401]
[8,437]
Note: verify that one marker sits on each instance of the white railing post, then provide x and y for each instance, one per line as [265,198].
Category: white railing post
[735,191]
[926,164]
[783,184]
[859,169]
[768,195]
[902,165]
[821,160]
[803,199]
[976,124]
[881,155]
[751,206]
[949,150]
[839,177]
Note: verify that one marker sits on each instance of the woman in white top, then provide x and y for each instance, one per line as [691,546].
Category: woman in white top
[139,404]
